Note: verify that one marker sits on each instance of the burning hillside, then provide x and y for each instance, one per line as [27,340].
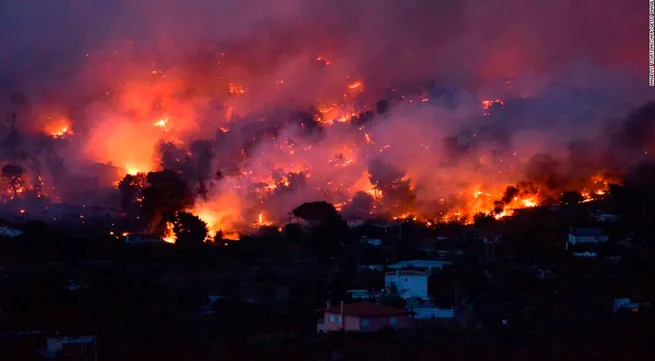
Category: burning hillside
[290,112]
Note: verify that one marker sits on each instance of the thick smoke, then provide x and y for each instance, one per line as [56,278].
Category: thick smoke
[238,96]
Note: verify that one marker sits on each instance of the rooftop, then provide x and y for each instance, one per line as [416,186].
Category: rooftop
[406,273]
[586,232]
[366,309]
[419,263]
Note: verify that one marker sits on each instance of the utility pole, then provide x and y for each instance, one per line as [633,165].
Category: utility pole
[455,306]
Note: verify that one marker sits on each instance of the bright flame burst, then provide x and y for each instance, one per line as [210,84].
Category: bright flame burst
[488,104]
[153,112]
[59,128]
[169,235]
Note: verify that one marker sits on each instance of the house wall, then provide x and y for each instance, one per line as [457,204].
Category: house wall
[331,323]
[354,324]
[584,239]
[432,312]
[416,285]
[378,323]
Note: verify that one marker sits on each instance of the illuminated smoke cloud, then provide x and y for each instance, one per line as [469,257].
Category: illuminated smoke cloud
[422,108]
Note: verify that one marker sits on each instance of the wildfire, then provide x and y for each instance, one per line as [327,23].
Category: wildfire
[487,105]
[59,128]
[255,184]
[357,85]
[169,235]
[261,221]
[161,123]
[323,61]
[236,89]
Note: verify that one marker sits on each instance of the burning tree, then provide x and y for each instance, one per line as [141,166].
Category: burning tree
[394,185]
[130,189]
[13,175]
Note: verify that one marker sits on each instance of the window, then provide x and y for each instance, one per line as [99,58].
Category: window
[365,323]
[393,321]
[331,318]
[339,319]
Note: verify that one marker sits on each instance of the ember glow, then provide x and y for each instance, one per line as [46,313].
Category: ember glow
[388,116]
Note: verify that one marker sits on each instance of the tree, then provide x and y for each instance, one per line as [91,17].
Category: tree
[315,212]
[190,230]
[484,221]
[130,187]
[329,234]
[570,198]
[165,195]
[382,106]
[293,233]
[14,176]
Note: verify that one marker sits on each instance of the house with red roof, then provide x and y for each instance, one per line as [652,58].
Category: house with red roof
[362,317]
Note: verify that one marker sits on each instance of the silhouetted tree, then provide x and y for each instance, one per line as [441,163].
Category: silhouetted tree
[165,195]
[382,106]
[315,211]
[570,198]
[130,188]
[482,220]
[190,230]
[329,234]
[293,233]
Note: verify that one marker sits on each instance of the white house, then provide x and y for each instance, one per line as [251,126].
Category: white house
[586,235]
[582,242]
[376,242]
[432,312]
[80,348]
[628,304]
[361,294]
[354,222]
[409,284]
[137,239]
[605,217]
[10,232]
[426,265]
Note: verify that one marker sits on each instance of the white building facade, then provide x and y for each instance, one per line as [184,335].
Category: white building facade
[409,284]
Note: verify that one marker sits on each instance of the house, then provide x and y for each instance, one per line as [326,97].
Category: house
[422,310]
[73,286]
[408,283]
[361,294]
[583,242]
[623,304]
[208,307]
[354,222]
[371,267]
[426,265]
[10,232]
[586,235]
[71,348]
[362,317]
[441,248]
[142,239]
[372,241]
[606,218]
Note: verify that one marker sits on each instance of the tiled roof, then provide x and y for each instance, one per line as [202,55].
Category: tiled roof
[586,232]
[366,309]
[406,273]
